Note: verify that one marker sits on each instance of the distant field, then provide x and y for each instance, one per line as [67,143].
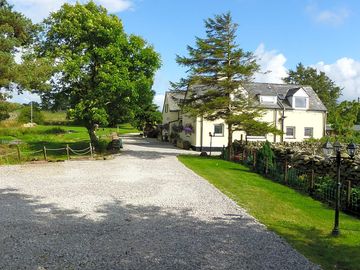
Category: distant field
[55,117]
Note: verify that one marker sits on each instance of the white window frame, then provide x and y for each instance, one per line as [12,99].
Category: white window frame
[290,136]
[312,132]
[268,99]
[219,134]
[306,102]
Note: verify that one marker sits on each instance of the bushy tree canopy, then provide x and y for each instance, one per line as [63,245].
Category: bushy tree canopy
[99,70]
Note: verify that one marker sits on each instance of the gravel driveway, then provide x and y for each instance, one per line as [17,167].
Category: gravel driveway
[141,210]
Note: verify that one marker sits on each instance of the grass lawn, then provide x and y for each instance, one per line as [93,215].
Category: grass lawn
[53,137]
[305,223]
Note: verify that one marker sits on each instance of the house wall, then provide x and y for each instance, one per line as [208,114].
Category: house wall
[189,137]
[297,118]
[301,119]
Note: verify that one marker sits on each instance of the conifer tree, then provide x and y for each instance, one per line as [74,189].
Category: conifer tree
[217,70]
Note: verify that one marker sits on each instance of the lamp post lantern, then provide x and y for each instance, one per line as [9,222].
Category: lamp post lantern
[327,149]
[210,142]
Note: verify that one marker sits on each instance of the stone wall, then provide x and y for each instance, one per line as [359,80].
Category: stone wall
[306,156]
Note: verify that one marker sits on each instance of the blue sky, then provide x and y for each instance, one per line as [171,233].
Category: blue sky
[319,33]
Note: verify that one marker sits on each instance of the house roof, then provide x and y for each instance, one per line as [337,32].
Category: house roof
[283,91]
[174,98]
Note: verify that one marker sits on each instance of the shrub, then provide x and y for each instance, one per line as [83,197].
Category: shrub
[25,115]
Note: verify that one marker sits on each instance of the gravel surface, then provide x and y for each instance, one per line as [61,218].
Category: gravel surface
[141,210]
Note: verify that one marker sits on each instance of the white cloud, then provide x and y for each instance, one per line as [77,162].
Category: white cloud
[332,17]
[272,65]
[37,10]
[345,72]
[26,98]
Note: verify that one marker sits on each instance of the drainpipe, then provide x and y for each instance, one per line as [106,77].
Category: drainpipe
[201,132]
[282,119]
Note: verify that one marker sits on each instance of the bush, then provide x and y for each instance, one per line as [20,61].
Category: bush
[25,115]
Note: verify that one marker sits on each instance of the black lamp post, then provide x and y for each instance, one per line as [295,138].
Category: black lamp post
[328,149]
[210,141]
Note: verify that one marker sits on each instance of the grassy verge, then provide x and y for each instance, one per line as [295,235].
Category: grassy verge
[53,137]
[305,223]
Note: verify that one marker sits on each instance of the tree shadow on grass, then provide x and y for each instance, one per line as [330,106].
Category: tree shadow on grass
[37,235]
[325,247]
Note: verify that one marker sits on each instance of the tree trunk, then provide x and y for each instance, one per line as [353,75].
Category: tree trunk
[93,138]
[230,152]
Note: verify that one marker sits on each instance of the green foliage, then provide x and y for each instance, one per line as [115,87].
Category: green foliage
[323,86]
[266,154]
[303,222]
[25,115]
[344,117]
[217,69]
[4,110]
[101,71]
[146,113]
[17,33]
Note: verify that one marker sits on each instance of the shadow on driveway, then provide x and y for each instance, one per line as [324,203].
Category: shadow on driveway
[43,236]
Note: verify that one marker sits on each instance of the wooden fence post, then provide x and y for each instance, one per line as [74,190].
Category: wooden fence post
[45,155]
[312,180]
[266,166]
[91,150]
[18,152]
[286,171]
[254,159]
[67,152]
[348,194]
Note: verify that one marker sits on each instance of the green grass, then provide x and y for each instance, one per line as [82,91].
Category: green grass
[53,137]
[305,223]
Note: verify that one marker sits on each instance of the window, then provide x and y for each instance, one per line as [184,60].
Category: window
[219,130]
[300,102]
[308,131]
[268,99]
[290,132]
[166,108]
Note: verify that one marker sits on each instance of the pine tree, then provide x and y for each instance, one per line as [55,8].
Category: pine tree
[218,68]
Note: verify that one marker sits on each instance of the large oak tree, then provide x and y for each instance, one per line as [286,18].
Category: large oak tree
[100,71]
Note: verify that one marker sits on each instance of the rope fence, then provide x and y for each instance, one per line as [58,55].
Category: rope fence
[77,152]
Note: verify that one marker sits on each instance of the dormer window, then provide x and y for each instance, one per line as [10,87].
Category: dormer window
[268,99]
[298,98]
[301,102]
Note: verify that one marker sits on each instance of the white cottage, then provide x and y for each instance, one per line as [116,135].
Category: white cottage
[296,110]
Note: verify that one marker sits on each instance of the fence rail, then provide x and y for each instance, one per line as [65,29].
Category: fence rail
[18,154]
[320,187]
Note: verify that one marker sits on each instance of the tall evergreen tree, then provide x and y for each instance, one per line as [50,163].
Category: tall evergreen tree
[323,86]
[220,67]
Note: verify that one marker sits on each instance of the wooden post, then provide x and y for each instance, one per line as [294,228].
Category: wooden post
[312,180]
[286,171]
[45,155]
[91,150]
[18,152]
[348,194]
[254,159]
[266,166]
[67,152]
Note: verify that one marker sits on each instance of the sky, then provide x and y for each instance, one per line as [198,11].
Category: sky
[323,34]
